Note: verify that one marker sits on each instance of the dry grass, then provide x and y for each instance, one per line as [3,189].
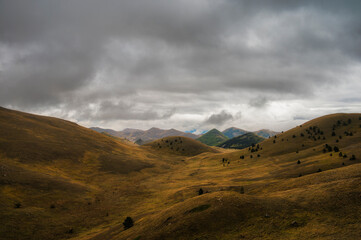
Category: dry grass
[95,181]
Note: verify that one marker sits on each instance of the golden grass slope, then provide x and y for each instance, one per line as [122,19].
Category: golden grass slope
[68,191]
[282,199]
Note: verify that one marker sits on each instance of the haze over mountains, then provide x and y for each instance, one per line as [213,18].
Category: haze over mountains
[145,136]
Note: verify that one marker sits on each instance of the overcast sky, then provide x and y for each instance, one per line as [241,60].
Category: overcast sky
[181,64]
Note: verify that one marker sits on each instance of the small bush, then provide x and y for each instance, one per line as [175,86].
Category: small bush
[17,205]
[128,223]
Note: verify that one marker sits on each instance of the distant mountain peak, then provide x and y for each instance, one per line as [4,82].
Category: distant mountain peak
[213,137]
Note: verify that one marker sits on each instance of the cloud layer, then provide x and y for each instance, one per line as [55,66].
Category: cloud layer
[182,64]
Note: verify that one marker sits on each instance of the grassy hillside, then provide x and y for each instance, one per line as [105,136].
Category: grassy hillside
[180,146]
[234,132]
[74,183]
[265,193]
[52,174]
[242,141]
[212,138]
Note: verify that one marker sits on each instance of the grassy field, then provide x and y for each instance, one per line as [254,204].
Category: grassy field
[75,183]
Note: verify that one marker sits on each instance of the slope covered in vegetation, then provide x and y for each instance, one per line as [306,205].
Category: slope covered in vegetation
[212,137]
[243,141]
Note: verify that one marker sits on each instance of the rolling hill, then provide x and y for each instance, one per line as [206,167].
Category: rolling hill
[212,137]
[242,141]
[59,180]
[180,146]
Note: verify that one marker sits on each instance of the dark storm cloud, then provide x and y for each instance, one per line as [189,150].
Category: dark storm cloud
[219,118]
[81,55]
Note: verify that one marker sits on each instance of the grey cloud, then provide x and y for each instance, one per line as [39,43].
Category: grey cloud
[108,110]
[109,54]
[258,102]
[219,118]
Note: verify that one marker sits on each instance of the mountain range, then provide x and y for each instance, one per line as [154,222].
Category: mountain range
[144,136]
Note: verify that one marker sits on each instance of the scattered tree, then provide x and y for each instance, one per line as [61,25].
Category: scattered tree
[242,190]
[128,223]
[353,157]
[200,191]
[298,162]
[17,205]
[335,148]
[333,134]
[319,170]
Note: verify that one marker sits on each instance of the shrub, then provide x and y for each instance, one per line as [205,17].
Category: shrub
[242,190]
[319,170]
[200,191]
[335,148]
[353,157]
[298,162]
[128,223]
[333,134]
[17,205]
